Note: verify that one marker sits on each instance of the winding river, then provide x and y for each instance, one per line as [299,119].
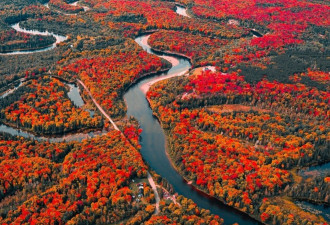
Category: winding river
[153,138]
[59,39]
[153,142]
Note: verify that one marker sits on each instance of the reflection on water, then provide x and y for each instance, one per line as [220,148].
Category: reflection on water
[74,95]
[323,211]
[320,170]
[153,147]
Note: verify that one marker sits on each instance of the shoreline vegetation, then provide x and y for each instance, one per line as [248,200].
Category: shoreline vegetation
[26,49]
[246,158]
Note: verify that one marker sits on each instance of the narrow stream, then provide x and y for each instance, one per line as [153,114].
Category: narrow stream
[59,38]
[153,146]
[65,138]
[8,92]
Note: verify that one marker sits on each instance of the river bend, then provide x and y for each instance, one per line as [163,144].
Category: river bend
[154,141]
[153,137]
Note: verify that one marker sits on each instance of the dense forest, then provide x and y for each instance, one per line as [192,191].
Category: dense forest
[43,107]
[239,132]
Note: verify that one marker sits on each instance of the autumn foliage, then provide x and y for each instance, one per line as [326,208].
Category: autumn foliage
[46,109]
[109,76]
[239,134]
[240,156]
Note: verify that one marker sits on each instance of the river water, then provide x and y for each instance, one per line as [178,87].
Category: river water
[153,137]
[153,146]
[8,92]
[315,209]
[319,170]
[59,38]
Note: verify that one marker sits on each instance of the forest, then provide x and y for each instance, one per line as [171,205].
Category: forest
[243,143]
[240,132]
[43,107]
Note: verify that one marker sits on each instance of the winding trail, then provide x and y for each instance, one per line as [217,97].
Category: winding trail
[154,188]
[150,179]
[13,131]
[98,105]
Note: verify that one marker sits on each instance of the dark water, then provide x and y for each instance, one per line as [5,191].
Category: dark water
[153,150]
[256,33]
[75,97]
[320,170]
[323,211]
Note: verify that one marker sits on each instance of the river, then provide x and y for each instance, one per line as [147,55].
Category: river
[315,209]
[59,39]
[153,145]
[153,137]
[8,92]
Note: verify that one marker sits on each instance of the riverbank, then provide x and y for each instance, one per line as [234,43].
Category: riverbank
[190,182]
[153,141]
[58,39]
[52,135]
[26,49]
